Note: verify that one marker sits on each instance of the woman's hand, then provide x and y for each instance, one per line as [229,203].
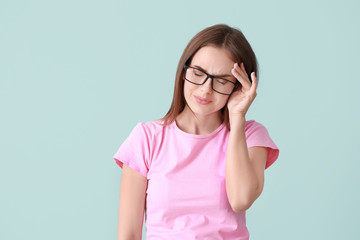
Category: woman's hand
[240,100]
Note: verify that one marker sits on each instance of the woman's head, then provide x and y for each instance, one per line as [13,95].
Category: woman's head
[219,36]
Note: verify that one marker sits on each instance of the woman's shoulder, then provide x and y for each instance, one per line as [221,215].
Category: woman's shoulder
[152,127]
[252,125]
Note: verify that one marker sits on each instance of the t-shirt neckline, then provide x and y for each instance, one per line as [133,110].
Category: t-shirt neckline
[177,129]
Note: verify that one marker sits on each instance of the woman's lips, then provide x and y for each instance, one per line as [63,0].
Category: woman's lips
[202,101]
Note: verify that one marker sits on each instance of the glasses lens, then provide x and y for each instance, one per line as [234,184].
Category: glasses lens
[223,86]
[195,76]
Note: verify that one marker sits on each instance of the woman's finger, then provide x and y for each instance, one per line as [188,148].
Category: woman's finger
[254,82]
[241,76]
[242,66]
[241,69]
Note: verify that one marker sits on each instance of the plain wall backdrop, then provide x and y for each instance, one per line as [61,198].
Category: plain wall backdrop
[76,76]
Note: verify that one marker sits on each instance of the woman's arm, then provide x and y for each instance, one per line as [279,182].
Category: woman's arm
[132,204]
[244,168]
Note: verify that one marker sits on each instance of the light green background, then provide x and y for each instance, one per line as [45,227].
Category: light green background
[76,76]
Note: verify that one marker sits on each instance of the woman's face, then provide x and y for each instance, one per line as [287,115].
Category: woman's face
[202,99]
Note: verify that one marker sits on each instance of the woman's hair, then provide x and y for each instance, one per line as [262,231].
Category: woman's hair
[221,36]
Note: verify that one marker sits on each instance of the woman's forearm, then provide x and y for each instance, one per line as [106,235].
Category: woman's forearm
[241,179]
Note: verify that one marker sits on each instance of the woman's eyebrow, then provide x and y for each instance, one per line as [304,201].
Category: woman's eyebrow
[218,75]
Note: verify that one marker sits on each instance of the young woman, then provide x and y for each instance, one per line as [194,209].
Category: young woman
[196,171]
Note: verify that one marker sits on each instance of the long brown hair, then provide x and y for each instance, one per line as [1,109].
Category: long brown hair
[221,36]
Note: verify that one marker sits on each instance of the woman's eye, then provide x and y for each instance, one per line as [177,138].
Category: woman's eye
[198,73]
[221,81]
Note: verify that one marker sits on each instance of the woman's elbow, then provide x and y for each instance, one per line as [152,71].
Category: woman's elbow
[241,206]
[130,237]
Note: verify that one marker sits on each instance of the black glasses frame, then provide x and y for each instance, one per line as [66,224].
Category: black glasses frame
[186,67]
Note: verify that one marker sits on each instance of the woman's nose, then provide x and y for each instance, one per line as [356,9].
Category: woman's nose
[206,87]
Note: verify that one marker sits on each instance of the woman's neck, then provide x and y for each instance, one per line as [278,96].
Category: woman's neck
[193,123]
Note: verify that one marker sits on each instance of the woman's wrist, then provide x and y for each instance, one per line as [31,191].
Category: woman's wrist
[237,121]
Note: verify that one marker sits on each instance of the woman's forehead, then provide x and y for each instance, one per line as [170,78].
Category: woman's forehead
[214,60]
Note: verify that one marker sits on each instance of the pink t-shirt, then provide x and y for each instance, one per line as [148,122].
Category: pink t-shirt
[186,196]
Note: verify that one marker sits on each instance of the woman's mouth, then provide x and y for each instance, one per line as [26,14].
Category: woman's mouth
[202,101]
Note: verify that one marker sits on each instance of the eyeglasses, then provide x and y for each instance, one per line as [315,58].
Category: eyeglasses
[218,84]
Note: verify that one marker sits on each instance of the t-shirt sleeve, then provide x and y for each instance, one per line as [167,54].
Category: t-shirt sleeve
[134,152]
[258,136]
